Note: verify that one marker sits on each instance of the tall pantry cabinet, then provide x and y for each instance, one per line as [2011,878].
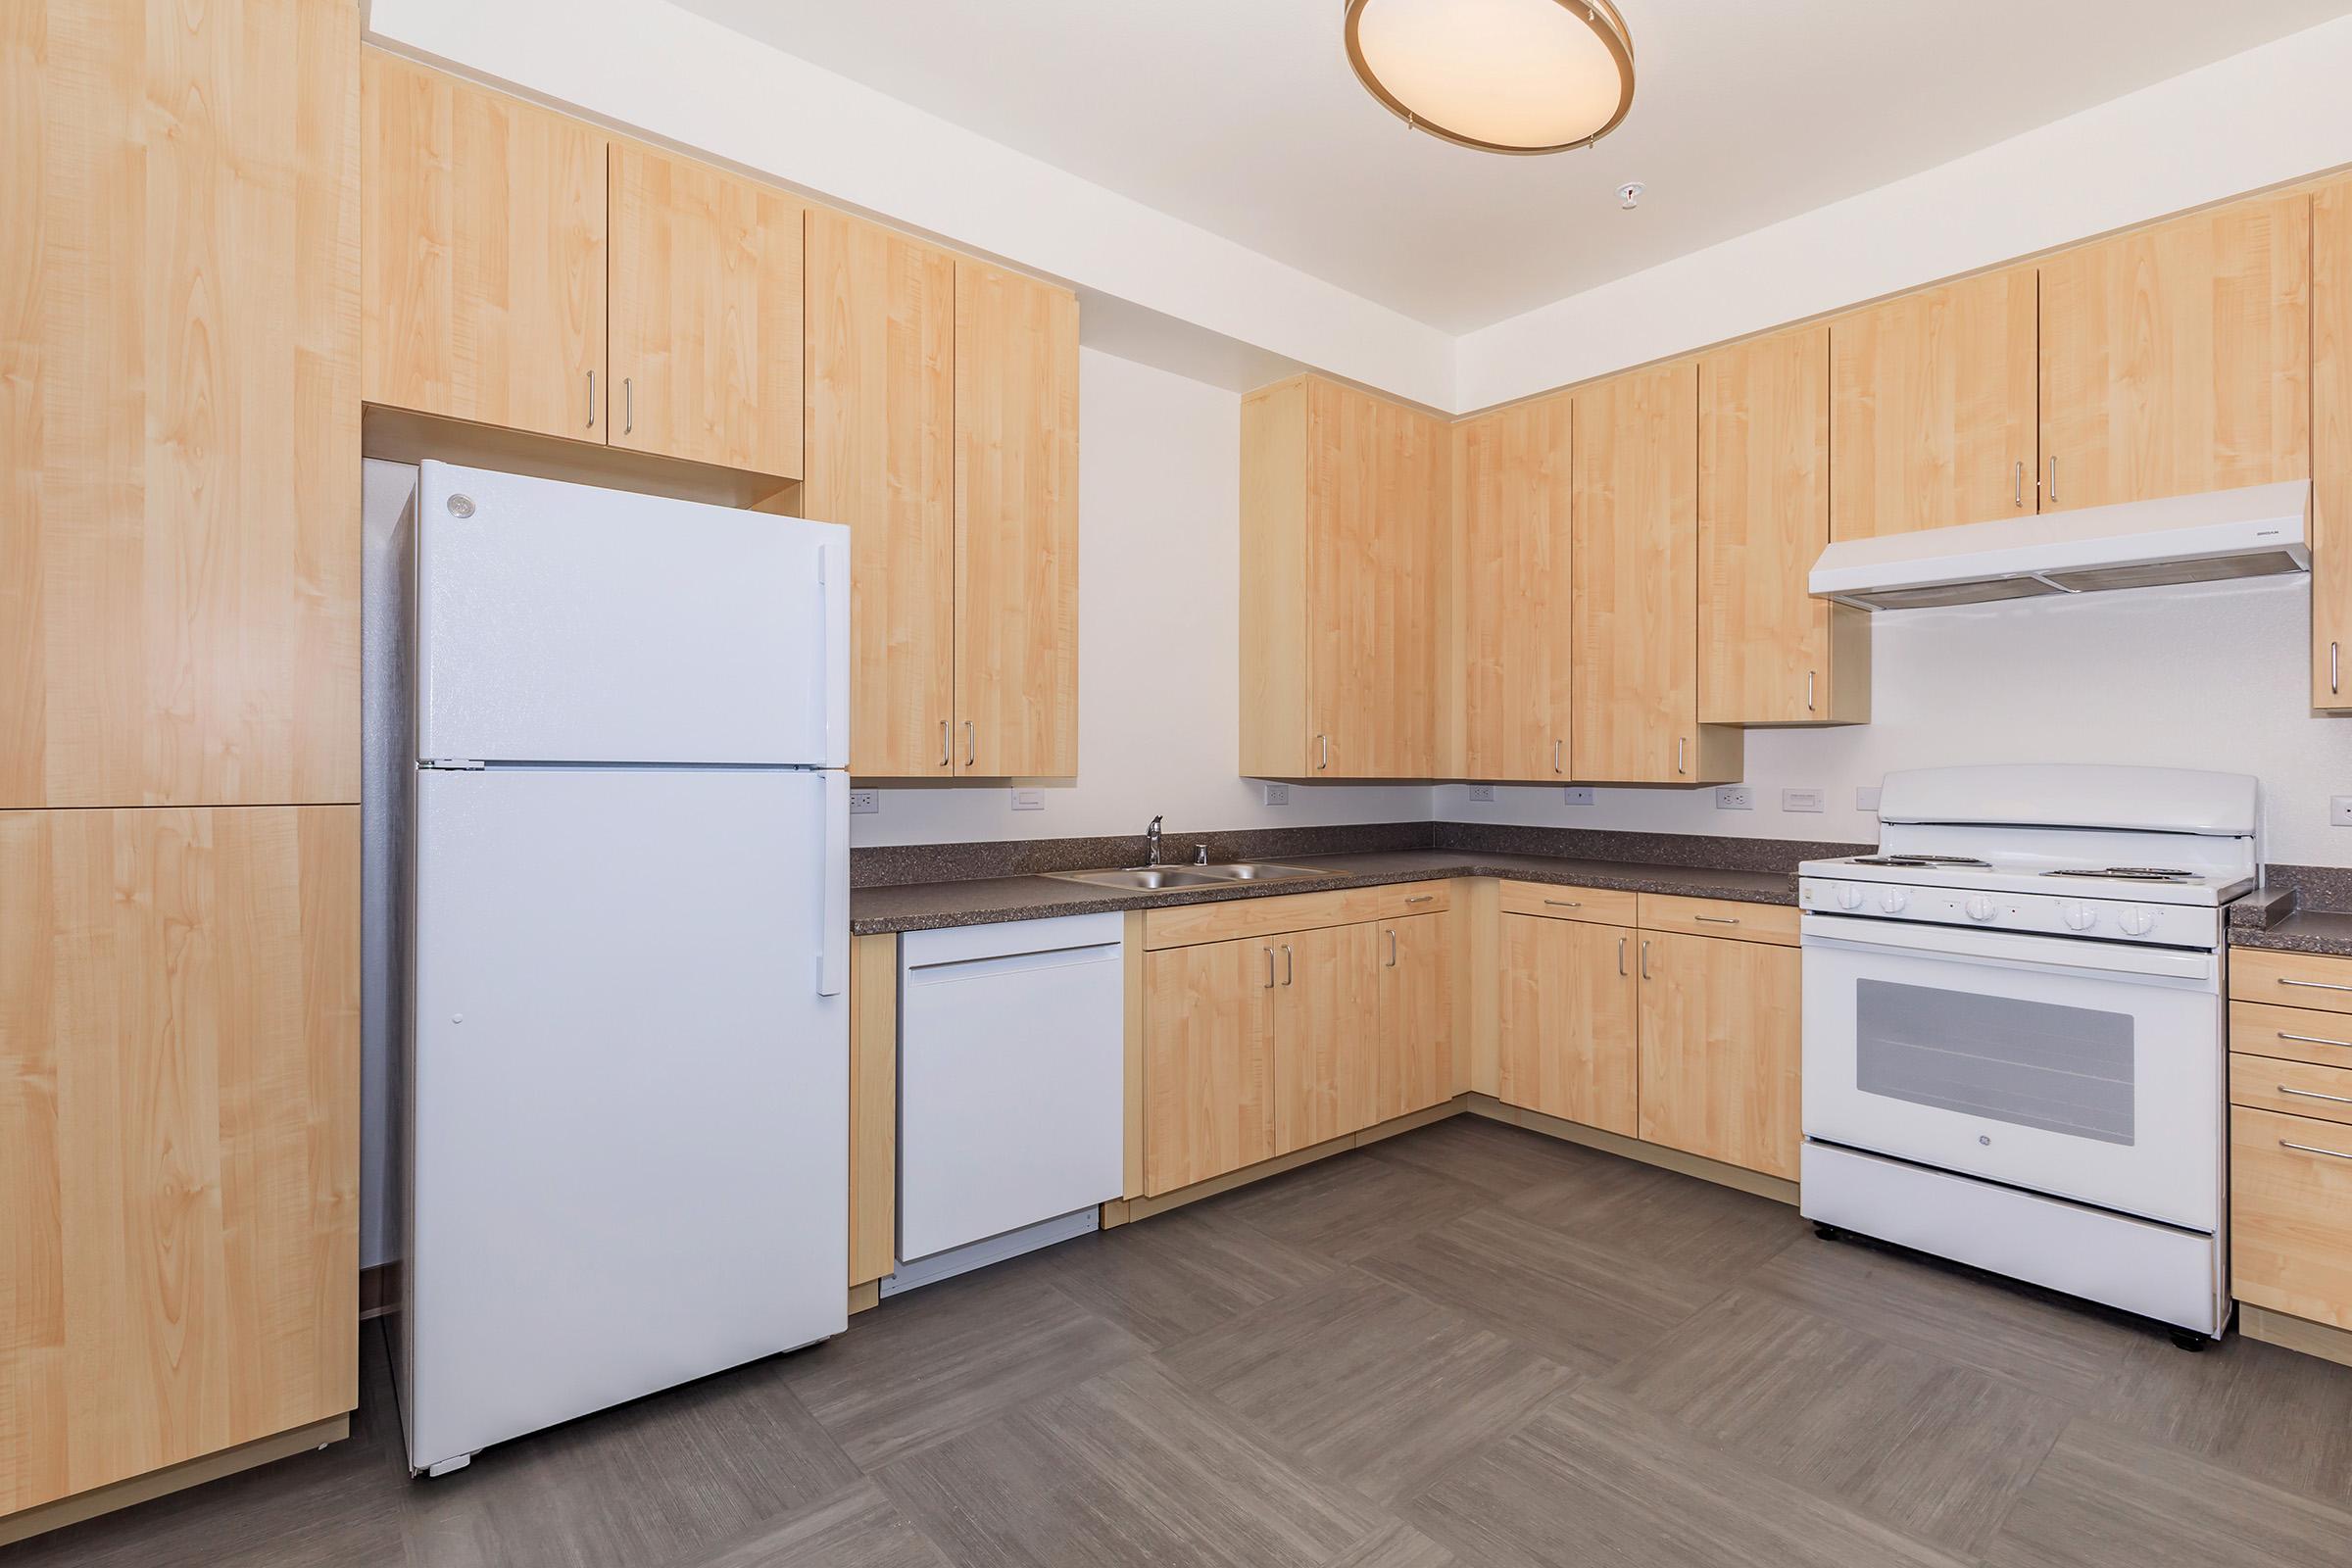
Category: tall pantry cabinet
[180,739]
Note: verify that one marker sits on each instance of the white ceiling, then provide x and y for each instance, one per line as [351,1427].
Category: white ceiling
[1243,118]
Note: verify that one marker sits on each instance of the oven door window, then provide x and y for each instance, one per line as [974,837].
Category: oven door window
[2042,1064]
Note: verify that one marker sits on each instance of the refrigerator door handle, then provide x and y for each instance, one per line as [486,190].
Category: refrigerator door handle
[833,651]
[833,930]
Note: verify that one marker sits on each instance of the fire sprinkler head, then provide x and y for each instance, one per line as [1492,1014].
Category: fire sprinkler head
[1629,194]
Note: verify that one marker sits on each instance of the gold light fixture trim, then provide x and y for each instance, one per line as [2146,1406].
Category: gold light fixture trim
[1498,75]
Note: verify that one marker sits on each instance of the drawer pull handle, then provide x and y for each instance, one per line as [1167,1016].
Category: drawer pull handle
[1566,903]
[2314,1040]
[1716,919]
[2314,1149]
[2314,1094]
[2315,985]
[1422,898]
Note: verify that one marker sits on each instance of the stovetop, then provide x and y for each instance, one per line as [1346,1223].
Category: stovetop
[2043,875]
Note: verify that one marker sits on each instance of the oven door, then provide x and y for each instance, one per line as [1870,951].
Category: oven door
[2089,1070]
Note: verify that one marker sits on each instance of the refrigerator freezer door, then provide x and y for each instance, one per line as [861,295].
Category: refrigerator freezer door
[630,1104]
[567,624]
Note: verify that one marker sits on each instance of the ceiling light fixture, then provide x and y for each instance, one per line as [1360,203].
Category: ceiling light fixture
[1500,75]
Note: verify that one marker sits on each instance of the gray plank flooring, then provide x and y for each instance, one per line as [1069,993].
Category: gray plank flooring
[1470,1344]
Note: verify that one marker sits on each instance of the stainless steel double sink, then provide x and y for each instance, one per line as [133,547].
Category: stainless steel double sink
[1168,878]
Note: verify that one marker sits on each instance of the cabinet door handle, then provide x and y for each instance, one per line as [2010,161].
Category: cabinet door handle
[1679,742]
[1645,957]
[1289,964]
[2314,1094]
[2314,1040]
[1809,691]
[1323,755]
[2331,663]
[2020,482]
[1716,919]
[1621,955]
[947,758]
[1269,968]
[2314,1149]
[628,405]
[2313,985]
[2053,480]
[1391,947]
[1566,903]
[971,743]
[591,400]
[1556,757]
[1421,898]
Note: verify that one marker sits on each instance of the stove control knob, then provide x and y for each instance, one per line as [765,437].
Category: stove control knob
[1982,907]
[1849,897]
[2077,917]
[1892,900]
[2137,920]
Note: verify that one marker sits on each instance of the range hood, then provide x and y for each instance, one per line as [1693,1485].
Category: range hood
[2252,532]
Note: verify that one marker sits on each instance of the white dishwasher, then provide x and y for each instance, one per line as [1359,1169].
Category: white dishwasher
[1010,1057]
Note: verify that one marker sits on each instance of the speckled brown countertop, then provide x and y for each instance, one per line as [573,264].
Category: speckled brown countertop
[2298,908]
[931,906]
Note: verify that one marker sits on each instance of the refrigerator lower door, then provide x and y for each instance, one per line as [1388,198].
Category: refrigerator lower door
[568,623]
[629,1101]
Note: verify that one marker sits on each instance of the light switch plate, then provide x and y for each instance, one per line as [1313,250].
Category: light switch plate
[1278,795]
[1482,794]
[1028,800]
[1577,794]
[2339,811]
[864,802]
[1800,800]
[1734,798]
[1866,799]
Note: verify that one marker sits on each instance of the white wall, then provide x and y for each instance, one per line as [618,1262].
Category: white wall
[2210,676]
[1158,638]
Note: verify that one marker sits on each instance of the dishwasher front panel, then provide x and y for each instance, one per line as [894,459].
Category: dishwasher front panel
[1011,1051]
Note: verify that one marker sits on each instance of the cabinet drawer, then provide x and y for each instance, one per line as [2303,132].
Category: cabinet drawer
[2295,1034]
[1720,918]
[2290,1214]
[2292,1087]
[1607,905]
[1298,911]
[2290,979]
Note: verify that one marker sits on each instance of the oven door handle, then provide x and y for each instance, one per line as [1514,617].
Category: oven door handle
[2056,954]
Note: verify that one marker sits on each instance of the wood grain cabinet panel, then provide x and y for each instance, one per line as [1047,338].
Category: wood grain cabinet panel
[1566,1020]
[2332,448]
[2292,980]
[1635,561]
[873,1107]
[1510,473]
[880,316]
[1015,525]
[1719,1050]
[179,409]
[1208,1062]
[1326,1019]
[1932,408]
[485,259]
[1413,1053]
[1769,652]
[180,1052]
[2177,359]
[705,314]
[2290,1214]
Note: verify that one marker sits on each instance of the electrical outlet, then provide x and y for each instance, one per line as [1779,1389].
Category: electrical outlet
[1866,799]
[2339,811]
[864,802]
[1482,793]
[1800,800]
[1734,798]
[1278,795]
[1577,794]
[1028,800]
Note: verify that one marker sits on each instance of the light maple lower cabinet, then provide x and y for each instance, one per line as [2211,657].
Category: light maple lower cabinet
[1326,1003]
[1413,1049]
[1719,1032]
[1566,1020]
[1208,1061]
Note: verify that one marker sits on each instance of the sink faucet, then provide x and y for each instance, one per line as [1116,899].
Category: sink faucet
[1151,843]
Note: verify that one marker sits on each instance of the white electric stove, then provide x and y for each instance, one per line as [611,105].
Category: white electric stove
[2013,1048]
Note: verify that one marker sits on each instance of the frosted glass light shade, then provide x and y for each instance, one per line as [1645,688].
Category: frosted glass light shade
[1502,75]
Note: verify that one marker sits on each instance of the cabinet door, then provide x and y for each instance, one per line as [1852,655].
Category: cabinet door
[1412,1061]
[1208,1062]
[179,409]
[1769,652]
[2177,359]
[2290,1214]
[1566,1021]
[2332,448]
[1377,481]
[705,335]
[483,269]
[1634,563]
[179,1048]
[1719,1050]
[880,313]
[1515,591]
[1326,1016]
[1016,525]
[1931,408]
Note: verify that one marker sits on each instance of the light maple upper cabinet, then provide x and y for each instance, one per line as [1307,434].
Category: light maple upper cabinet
[1566,1022]
[880,313]
[1413,1048]
[2332,448]
[1345,498]
[1016,525]
[1513,588]
[1931,408]
[705,314]
[2177,359]
[485,262]
[1769,652]
[1635,564]
[1719,1025]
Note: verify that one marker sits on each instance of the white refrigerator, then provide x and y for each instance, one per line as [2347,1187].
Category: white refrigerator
[628,1094]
